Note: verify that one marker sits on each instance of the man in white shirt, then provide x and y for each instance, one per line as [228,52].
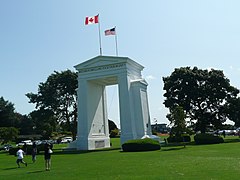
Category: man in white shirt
[20,154]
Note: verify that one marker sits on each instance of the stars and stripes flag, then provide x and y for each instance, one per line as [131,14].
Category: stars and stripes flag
[91,20]
[110,32]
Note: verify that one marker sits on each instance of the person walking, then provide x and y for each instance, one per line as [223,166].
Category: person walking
[47,156]
[20,154]
[34,152]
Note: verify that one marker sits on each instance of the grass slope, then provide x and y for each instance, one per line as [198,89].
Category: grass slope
[219,161]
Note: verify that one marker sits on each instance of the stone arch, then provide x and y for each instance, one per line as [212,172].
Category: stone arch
[93,77]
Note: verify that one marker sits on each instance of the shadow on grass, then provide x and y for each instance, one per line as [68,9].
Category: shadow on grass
[173,149]
[165,147]
[177,144]
[192,143]
[38,171]
[11,168]
[231,140]
[60,152]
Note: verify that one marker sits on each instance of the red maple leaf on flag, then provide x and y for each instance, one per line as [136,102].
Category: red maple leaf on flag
[91,20]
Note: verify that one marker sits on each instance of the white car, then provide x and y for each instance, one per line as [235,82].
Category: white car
[27,142]
[228,132]
[66,140]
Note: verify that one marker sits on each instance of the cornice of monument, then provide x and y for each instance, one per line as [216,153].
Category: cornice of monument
[107,62]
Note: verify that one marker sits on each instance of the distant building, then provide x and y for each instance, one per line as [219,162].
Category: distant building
[161,128]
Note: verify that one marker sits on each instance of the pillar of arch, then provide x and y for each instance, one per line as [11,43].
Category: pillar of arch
[93,77]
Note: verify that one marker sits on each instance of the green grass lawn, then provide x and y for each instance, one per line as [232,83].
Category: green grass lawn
[220,161]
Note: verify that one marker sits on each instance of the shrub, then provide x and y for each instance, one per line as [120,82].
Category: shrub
[182,138]
[41,147]
[146,144]
[174,138]
[207,139]
[14,150]
[186,138]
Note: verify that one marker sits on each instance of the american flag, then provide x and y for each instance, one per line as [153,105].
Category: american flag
[110,32]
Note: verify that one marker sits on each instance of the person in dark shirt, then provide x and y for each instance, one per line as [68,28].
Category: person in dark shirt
[34,152]
[47,156]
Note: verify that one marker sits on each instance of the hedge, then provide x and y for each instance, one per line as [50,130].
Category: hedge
[14,150]
[207,139]
[146,144]
[182,138]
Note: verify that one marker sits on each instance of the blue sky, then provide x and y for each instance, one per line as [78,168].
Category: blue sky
[39,37]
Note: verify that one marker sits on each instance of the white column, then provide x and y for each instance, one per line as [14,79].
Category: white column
[82,133]
[141,108]
[126,109]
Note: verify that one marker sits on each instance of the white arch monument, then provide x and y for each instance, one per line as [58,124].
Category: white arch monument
[93,77]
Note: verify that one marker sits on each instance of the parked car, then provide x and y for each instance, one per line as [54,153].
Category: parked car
[27,142]
[228,132]
[38,142]
[66,140]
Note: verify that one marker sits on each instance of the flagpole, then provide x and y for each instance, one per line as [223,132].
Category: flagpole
[99,34]
[116,42]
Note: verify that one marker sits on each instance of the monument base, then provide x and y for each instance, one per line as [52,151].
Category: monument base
[90,143]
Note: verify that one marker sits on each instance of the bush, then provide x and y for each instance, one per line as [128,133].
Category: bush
[186,138]
[14,150]
[41,147]
[182,138]
[146,144]
[207,139]
[172,139]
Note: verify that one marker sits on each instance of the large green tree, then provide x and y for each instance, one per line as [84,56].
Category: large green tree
[10,118]
[233,110]
[7,114]
[8,134]
[112,125]
[201,93]
[45,122]
[25,124]
[58,95]
[177,119]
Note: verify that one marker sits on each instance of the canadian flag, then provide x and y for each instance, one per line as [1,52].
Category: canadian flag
[91,20]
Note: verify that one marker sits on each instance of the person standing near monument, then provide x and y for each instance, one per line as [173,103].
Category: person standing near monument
[47,156]
[20,154]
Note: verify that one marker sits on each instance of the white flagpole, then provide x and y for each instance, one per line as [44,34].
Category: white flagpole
[99,34]
[116,42]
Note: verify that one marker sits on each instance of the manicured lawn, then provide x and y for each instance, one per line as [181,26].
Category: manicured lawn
[220,161]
